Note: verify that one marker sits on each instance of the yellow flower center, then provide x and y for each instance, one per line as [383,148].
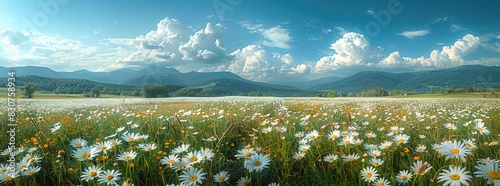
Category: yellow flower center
[127,158]
[375,164]
[221,178]
[401,140]
[299,157]
[455,177]
[330,159]
[351,159]
[3,170]
[193,159]
[368,175]
[23,166]
[422,168]
[347,142]
[480,129]
[130,139]
[257,163]
[374,155]
[245,183]
[334,136]
[449,126]
[404,177]
[494,175]
[171,161]
[381,184]
[78,143]
[193,178]
[109,177]
[312,136]
[103,147]
[248,154]
[150,148]
[93,173]
[182,167]
[455,151]
[8,178]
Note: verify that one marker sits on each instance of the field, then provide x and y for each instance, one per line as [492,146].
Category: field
[258,141]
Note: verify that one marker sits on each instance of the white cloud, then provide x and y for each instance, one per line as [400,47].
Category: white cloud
[369,12]
[350,50]
[443,19]
[254,63]
[498,37]
[205,45]
[276,36]
[456,28]
[414,33]
[448,56]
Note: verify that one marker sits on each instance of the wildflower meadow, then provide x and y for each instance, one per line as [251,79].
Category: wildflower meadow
[258,142]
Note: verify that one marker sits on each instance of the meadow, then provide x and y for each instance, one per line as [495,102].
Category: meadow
[254,141]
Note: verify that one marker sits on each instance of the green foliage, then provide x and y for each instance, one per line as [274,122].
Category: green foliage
[155,91]
[376,92]
[29,89]
[254,94]
[96,91]
[331,94]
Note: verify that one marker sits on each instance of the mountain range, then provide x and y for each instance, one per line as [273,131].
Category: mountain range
[466,76]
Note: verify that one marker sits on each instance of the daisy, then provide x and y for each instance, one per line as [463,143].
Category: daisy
[243,181]
[181,149]
[299,134]
[245,153]
[489,172]
[455,176]
[421,168]
[376,162]
[221,177]
[267,130]
[304,148]
[420,148]
[385,145]
[348,140]
[104,146]
[371,135]
[454,149]
[470,144]
[330,158]
[401,138]
[130,137]
[207,154]
[274,184]
[109,177]
[450,126]
[147,147]
[7,176]
[32,158]
[374,153]
[257,163]
[31,171]
[404,177]
[90,173]
[334,135]
[180,165]
[192,176]
[299,155]
[211,138]
[78,142]
[4,168]
[126,156]
[192,158]
[350,157]
[381,182]
[370,147]
[303,141]
[170,159]
[85,153]
[369,174]
[481,128]
[120,129]
[312,135]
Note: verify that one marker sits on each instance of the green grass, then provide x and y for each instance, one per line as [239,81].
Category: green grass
[238,125]
[453,95]
[50,95]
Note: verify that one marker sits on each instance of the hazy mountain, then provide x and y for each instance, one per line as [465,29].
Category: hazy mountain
[308,84]
[458,77]
[235,87]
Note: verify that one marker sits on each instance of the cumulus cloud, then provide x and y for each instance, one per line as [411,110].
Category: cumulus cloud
[456,28]
[255,63]
[448,56]
[414,33]
[350,50]
[498,37]
[276,36]
[173,43]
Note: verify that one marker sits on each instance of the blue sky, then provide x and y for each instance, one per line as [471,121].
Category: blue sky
[258,40]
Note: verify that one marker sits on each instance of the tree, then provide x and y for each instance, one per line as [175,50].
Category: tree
[29,89]
[96,91]
[57,90]
[331,94]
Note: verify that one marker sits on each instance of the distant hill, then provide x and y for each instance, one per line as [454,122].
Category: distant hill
[459,77]
[236,87]
[306,85]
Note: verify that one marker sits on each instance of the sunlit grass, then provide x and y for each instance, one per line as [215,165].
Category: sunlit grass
[268,128]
